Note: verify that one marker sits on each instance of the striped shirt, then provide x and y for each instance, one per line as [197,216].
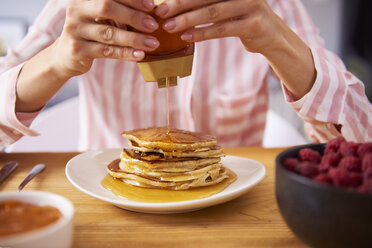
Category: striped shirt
[226,95]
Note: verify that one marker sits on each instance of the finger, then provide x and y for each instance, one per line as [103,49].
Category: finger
[98,50]
[144,5]
[111,35]
[173,7]
[210,14]
[120,13]
[218,30]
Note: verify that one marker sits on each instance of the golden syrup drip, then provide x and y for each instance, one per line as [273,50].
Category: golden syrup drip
[139,194]
[167,87]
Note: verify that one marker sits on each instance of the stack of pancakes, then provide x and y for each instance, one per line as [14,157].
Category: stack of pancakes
[169,159]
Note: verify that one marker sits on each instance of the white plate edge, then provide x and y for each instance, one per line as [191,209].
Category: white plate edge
[169,206]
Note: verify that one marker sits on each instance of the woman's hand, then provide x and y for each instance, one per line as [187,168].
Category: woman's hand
[97,29]
[93,29]
[259,28]
[253,21]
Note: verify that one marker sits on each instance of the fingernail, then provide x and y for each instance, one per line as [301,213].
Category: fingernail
[139,54]
[151,42]
[170,25]
[162,10]
[150,24]
[187,37]
[149,4]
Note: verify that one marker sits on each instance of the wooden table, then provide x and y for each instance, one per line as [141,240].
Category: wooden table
[252,220]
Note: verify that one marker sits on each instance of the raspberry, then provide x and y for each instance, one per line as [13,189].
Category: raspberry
[367,174]
[366,187]
[356,178]
[350,163]
[323,178]
[291,164]
[367,162]
[340,177]
[348,148]
[331,158]
[364,149]
[310,155]
[307,169]
[333,145]
[324,167]
[344,164]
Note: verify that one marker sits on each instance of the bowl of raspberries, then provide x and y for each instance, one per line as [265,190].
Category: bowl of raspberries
[324,192]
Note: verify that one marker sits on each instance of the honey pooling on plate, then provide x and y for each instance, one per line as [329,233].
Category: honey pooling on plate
[153,195]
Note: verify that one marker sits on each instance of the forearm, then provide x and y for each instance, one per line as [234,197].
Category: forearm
[292,61]
[260,29]
[38,81]
[86,36]
[336,105]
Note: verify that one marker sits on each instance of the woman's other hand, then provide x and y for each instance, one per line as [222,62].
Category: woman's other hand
[253,21]
[97,29]
[259,28]
[93,29]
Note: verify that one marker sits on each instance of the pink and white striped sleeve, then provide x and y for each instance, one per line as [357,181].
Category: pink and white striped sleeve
[45,30]
[337,97]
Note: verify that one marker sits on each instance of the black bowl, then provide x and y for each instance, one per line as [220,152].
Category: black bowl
[322,215]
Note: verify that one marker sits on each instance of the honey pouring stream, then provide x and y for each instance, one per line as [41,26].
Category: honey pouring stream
[167,88]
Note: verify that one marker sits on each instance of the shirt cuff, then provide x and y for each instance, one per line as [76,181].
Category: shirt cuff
[19,122]
[316,106]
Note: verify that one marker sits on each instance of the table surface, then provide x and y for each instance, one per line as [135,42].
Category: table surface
[252,220]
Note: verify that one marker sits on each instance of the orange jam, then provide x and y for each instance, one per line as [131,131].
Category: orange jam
[18,217]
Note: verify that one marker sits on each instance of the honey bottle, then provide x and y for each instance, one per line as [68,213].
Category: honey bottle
[172,59]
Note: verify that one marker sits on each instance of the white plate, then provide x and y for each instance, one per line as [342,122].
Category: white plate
[87,170]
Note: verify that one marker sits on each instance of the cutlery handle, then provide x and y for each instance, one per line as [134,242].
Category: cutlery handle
[7,169]
[33,172]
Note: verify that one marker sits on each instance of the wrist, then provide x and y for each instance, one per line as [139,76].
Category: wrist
[38,81]
[292,60]
[280,42]
[57,67]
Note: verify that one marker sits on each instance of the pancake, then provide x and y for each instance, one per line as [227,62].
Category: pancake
[168,176]
[156,162]
[174,140]
[173,159]
[214,151]
[211,177]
